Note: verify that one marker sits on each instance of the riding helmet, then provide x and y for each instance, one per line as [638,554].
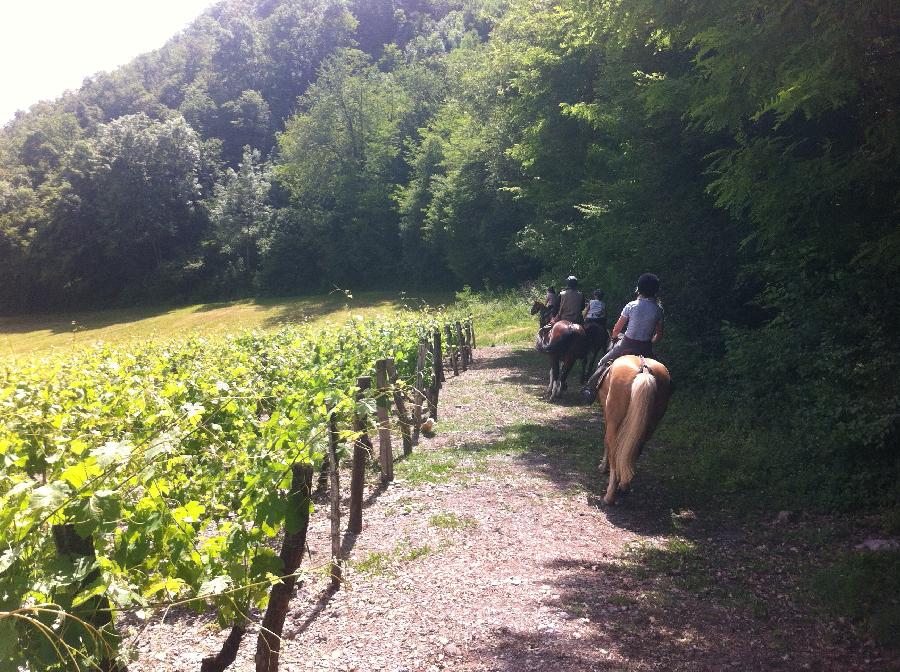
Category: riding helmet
[571,281]
[598,294]
[648,285]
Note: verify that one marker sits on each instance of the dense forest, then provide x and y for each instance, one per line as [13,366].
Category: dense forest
[747,152]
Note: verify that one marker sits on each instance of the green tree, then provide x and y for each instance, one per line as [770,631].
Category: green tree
[337,159]
[240,213]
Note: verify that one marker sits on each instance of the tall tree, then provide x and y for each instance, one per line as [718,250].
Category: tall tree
[337,159]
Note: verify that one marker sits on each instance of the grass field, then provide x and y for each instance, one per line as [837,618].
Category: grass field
[500,319]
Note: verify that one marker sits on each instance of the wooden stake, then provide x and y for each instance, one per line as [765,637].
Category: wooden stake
[438,373]
[362,448]
[335,497]
[402,415]
[452,350]
[384,427]
[419,398]
[463,350]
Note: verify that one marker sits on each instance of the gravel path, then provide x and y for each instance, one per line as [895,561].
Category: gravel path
[488,553]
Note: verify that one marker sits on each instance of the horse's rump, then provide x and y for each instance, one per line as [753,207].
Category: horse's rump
[631,433]
[563,336]
[635,395]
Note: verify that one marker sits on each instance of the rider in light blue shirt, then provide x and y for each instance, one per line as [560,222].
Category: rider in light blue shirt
[642,322]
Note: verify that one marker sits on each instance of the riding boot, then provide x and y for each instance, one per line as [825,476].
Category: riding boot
[589,391]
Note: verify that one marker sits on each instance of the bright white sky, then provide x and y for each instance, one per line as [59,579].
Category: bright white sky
[48,46]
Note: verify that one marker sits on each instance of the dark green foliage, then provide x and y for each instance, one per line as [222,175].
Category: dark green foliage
[864,586]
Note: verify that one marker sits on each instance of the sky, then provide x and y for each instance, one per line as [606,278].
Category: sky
[49,46]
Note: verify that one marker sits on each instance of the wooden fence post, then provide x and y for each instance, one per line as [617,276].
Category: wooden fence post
[335,497]
[438,373]
[452,350]
[268,644]
[472,329]
[419,397]
[362,448]
[402,415]
[461,347]
[470,339]
[384,428]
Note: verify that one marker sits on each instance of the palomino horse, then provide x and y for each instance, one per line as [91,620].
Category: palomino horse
[543,311]
[565,343]
[634,394]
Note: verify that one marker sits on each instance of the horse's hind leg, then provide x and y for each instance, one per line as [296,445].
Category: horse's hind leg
[564,374]
[609,442]
[553,389]
[610,496]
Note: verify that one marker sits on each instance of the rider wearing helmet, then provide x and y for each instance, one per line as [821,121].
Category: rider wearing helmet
[570,303]
[595,313]
[641,325]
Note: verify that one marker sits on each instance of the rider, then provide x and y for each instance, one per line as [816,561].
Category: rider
[570,302]
[642,320]
[595,313]
[551,296]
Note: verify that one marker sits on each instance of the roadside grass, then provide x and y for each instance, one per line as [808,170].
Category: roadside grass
[678,558]
[864,587]
[450,521]
[384,563]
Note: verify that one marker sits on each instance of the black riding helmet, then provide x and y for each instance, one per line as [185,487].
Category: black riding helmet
[571,282]
[598,294]
[648,285]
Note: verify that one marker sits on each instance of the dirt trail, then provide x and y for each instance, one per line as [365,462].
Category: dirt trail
[487,553]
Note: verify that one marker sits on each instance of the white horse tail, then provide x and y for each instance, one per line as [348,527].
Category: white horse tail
[634,426]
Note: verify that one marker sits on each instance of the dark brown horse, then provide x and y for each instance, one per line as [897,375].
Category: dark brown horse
[565,342]
[598,341]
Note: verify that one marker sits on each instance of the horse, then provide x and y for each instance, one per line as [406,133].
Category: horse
[544,310]
[634,394]
[565,343]
[598,341]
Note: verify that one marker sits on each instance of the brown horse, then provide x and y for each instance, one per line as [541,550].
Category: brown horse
[565,342]
[598,341]
[543,311]
[634,395]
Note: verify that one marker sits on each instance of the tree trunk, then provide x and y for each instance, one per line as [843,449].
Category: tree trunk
[229,651]
[268,644]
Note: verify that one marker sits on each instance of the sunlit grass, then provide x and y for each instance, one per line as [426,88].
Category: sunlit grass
[498,319]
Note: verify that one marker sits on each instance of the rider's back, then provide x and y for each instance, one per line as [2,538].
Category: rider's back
[643,316]
[571,303]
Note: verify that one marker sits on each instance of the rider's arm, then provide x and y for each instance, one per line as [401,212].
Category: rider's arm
[659,331]
[621,323]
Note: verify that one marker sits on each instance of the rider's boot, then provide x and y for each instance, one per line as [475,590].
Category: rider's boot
[589,391]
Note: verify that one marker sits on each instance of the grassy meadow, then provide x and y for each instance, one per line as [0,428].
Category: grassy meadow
[501,318]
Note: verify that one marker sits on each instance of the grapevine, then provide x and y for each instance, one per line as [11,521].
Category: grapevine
[138,479]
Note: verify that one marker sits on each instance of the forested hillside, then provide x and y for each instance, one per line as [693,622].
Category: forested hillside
[749,153]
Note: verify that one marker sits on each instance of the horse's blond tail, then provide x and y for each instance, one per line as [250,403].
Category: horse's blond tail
[634,426]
